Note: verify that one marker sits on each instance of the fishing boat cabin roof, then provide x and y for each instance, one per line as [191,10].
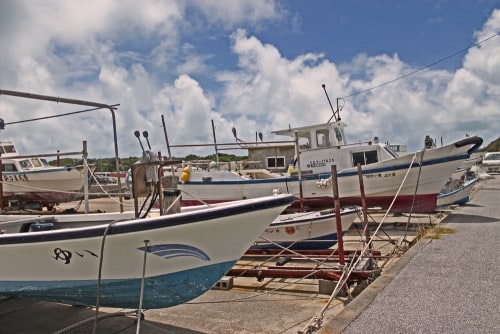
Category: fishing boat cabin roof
[317,136]
[7,149]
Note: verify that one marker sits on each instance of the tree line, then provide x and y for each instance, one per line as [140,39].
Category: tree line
[108,164]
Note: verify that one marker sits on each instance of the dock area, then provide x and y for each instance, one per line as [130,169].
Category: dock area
[441,284]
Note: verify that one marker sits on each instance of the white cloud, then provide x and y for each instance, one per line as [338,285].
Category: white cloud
[136,54]
[234,13]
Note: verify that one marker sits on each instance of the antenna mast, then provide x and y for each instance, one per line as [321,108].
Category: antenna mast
[336,113]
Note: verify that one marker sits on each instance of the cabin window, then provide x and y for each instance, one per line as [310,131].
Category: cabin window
[304,143]
[338,134]
[6,167]
[8,149]
[26,163]
[275,162]
[44,162]
[323,138]
[36,163]
[364,158]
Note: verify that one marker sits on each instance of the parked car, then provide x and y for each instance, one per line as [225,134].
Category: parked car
[491,162]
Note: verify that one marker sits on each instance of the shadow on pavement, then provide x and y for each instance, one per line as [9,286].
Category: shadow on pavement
[22,315]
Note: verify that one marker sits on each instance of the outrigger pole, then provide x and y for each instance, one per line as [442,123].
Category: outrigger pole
[56,99]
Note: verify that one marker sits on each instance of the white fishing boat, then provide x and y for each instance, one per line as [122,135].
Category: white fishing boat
[457,189]
[299,230]
[30,179]
[306,230]
[412,181]
[174,257]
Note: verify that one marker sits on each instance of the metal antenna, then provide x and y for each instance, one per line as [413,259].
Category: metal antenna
[146,135]
[138,135]
[336,114]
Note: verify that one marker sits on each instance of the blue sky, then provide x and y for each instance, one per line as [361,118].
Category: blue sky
[254,65]
[420,32]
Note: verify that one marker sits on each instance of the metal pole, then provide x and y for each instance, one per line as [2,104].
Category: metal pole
[160,184]
[166,137]
[136,200]
[338,220]
[83,103]
[117,159]
[366,229]
[297,153]
[1,184]
[168,144]
[215,143]
[85,178]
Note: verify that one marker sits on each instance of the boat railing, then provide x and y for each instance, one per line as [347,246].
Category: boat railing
[42,155]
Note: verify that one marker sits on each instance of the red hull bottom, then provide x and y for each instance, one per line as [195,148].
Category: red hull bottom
[421,203]
[418,204]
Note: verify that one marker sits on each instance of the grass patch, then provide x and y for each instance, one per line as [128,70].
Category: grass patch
[437,231]
[443,230]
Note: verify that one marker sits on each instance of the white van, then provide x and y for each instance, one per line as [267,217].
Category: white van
[491,162]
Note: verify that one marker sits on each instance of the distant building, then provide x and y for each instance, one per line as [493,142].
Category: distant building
[271,157]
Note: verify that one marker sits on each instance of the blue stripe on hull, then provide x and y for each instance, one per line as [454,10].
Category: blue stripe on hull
[322,242]
[159,292]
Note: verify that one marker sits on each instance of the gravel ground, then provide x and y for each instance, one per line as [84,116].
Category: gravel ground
[452,284]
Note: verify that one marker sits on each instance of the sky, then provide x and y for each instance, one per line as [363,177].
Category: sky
[400,69]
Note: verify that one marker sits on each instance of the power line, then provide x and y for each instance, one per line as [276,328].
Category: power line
[423,68]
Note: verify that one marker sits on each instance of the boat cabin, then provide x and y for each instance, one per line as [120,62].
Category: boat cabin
[14,164]
[317,136]
[324,145]
[7,149]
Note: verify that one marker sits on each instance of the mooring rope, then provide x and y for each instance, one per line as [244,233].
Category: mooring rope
[96,318]
[55,190]
[99,275]
[317,319]
[88,320]
[414,195]
[141,297]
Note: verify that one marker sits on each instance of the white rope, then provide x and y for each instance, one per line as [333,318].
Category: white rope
[141,298]
[319,316]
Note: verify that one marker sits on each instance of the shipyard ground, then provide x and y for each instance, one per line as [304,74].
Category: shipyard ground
[443,284]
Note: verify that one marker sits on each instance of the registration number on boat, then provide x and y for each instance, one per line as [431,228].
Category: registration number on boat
[11,178]
[379,175]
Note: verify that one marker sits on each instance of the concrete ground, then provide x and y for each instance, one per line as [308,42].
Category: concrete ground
[445,285]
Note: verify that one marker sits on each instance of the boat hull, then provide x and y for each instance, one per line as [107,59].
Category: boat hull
[458,196]
[409,183]
[181,262]
[54,185]
[306,230]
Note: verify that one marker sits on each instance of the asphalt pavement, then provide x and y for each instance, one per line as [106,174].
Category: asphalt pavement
[445,285]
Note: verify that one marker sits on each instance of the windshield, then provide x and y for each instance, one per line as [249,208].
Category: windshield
[494,156]
[390,151]
[7,149]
